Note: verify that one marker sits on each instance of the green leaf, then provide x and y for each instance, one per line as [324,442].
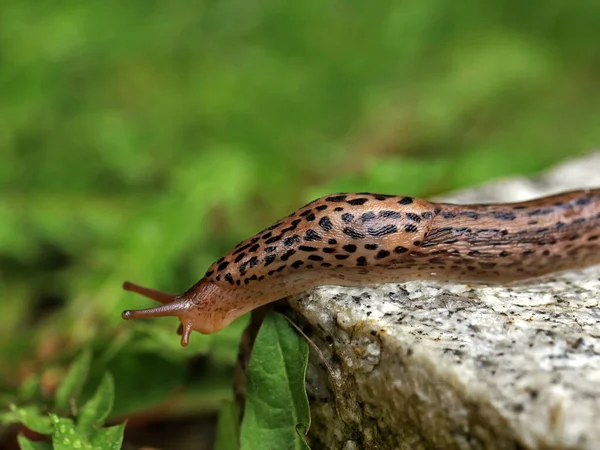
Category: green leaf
[277,411]
[29,416]
[66,436]
[97,408]
[26,444]
[73,382]
[228,427]
[30,387]
[109,438]
[143,380]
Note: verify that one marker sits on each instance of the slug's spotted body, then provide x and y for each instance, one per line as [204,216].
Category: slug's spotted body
[358,239]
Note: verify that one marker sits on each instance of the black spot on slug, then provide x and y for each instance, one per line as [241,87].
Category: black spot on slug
[229,278]
[583,201]
[336,198]
[270,249]
[378,232]
[321,208]
[350,248]
[382,254]
[388,214]
[307,248]
[342,256]
[241,249]
[361,261]
[328,250]
[410,228]
[471,215]
[315,257]
[367,216]
[297,264]
[406,201]
[239,257]
[414,217]
[504,215]
[338,209]
[275,225]
[332,242]
[347,217]
[540,212]
[312,235]
[291,240]
[223,266]
[358,201]
[269,259]
[287,254]
[273,239]
[371,246]
[400,249]
[325,223]
[353,233]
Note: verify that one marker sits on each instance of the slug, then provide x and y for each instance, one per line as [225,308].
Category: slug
[359,239]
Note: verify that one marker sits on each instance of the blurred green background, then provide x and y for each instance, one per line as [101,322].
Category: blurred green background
[141,140]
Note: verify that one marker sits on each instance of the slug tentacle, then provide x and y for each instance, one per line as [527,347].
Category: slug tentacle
[358,239]
[162,297]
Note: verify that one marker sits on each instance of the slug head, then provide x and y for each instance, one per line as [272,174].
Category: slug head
[196,309]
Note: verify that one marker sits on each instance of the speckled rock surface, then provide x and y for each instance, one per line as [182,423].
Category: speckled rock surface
[422,365]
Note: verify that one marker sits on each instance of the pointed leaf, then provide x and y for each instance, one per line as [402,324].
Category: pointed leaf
[30,388]
[97,408]
[66,436]
[26,444]
[109,438]
[276,404]
[29,416]
[228,427]
[71,386]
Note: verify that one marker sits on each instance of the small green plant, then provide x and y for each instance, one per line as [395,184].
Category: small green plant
[277,412]
[83,429]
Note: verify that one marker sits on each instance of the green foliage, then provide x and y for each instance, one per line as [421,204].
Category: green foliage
[72,384]
[228,428]
[87,431]
[95,411]
[276,413]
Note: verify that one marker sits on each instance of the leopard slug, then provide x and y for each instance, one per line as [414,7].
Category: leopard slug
[359,239]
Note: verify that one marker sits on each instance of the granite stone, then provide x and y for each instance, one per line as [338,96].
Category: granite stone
[426,365]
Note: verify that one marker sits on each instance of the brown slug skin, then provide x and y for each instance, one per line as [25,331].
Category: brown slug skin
[360,239]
